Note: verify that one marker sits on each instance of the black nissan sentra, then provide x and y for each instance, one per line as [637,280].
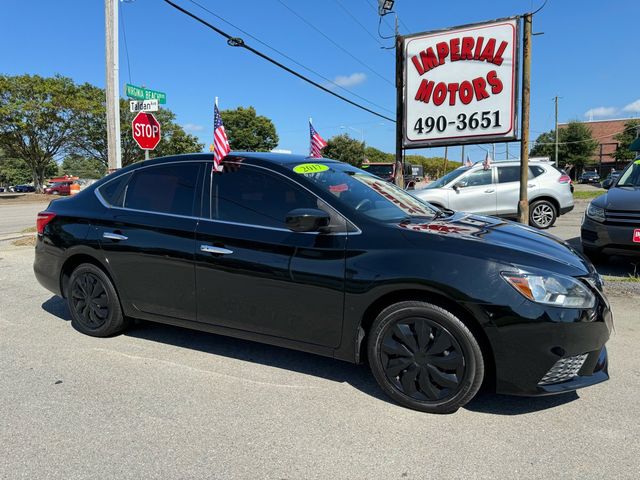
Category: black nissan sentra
[320,256]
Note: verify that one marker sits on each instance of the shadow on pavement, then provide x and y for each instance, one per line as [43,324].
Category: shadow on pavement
[508,405]
[358,376]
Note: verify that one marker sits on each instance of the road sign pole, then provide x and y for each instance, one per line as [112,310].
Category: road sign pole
[399,170]
[146,154]
[112,90]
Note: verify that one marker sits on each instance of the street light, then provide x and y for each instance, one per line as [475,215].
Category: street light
[385,6]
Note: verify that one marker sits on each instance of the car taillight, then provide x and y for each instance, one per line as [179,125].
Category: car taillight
[564,179]
[42,220]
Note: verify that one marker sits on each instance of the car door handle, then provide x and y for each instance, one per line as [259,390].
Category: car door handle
[212,249]
[490,190]
[114,236]
[531,185]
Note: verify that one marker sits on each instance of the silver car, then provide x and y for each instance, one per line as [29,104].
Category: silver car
[496,190]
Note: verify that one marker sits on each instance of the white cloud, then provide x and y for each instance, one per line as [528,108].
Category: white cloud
[633,107]
[192,127]
[601,112]
[350,80]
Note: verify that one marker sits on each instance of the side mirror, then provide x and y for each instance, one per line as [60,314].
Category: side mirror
[607,184]
[307,220]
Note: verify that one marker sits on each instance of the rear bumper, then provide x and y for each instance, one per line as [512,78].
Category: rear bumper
[47,266]
[611,239]
[567,209]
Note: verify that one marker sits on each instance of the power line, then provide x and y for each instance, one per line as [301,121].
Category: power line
[124,36]
[334,42]
[239,42]
[360,24]
[375,9]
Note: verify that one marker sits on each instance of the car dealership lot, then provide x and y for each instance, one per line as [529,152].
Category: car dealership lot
[165,402]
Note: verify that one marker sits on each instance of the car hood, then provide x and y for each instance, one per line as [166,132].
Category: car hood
[500,240]
[620,198]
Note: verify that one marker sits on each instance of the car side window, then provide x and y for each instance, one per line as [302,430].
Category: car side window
[163,189]
[512,174]
[253,196]
[477,178]
[535,171]
[113,191]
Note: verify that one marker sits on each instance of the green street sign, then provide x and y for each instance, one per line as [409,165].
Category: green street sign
[140,93]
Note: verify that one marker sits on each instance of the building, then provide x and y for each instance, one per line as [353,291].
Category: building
[604,131]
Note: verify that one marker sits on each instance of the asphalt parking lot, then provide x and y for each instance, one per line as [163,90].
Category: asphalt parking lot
[164,402]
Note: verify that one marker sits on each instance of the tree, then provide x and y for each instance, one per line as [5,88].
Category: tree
[38,119]
[346,149]
[625,139]
[91,140]
[83,167]
[375,156]
[248,131]
[576,145]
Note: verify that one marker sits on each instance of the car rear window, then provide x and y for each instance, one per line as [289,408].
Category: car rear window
[113,192]
[163,189]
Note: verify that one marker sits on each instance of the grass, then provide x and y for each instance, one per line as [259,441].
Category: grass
[587,194]
[29,230]
[29,241]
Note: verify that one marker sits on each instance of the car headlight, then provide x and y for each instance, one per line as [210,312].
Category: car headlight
[596,213]
[555,290]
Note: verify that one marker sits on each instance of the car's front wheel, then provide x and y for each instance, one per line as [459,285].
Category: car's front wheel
[93,302]
[424,357]
[542,214]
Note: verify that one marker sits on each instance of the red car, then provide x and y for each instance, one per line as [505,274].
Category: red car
[59,188]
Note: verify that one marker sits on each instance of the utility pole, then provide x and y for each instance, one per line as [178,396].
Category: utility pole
[507,154]
[462,155]
[523,204]
[446,159]
[556,153]
[493,152]
[113,91]
[399,107]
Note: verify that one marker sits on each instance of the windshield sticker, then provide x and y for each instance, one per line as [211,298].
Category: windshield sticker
[637,162]
[310,168]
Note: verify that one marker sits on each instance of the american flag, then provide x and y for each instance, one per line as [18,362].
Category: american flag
[467,162]
[486,165]
[317,143]
[221,146]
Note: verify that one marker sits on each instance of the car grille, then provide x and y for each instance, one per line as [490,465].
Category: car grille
[622,217]
[564,369]
[588,235]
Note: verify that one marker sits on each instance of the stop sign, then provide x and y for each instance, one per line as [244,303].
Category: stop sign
[146,130]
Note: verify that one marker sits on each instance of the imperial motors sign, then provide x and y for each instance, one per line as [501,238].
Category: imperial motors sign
[460,85]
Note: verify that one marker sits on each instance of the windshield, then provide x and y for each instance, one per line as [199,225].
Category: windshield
[379,170]
[365,193]
[631,176]
[442,181]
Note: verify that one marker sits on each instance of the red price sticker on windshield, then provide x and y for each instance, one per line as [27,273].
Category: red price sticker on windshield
[636,235]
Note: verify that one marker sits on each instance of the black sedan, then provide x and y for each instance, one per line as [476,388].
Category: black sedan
[589,177]
[611,224]
[320,256]
[24,188]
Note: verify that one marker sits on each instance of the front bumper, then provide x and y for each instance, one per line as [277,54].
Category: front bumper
[612,239]
[530,342]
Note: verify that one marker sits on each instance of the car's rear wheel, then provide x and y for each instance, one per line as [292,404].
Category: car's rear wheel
[424,357]
[93,302]
[542,214]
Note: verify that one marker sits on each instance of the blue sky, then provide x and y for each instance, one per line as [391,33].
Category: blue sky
[586,56]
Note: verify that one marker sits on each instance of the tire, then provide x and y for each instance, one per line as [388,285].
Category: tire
[542,214]
[594,254]
[409,346]
[93,302]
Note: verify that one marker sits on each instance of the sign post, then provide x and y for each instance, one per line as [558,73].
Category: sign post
[146,132]
[523,203]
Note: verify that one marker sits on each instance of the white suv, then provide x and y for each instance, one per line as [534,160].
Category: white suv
[496,191]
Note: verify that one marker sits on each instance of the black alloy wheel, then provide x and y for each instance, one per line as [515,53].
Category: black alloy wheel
[425,358]
[93,302]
